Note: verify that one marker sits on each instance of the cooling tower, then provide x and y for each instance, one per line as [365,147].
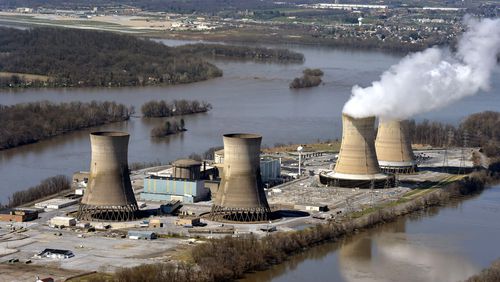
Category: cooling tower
[393,146]
[109,195]
[241,195]
[357,164]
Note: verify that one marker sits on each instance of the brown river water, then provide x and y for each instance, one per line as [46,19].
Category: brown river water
[250,97]
[441,244]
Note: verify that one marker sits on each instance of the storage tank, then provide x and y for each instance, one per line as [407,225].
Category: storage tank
[241,195]
[357,164]
[186,169]
[109,195]
[393,146]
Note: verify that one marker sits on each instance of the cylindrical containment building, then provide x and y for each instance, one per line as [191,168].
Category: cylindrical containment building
[393,146]
[241,195]
[357,164]
[109,195]
[186,169]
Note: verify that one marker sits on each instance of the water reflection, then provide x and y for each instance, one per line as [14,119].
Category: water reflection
[439,244]
[392,255]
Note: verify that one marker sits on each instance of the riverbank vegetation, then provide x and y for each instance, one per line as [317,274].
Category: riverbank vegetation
[310,78]
[277,55]
[30,122]
[164,108]
[47,187]
[168,128]
[229,258]
[489,274]
[477,130]
[82,58]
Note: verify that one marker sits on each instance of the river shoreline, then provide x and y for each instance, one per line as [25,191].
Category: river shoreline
[229,259]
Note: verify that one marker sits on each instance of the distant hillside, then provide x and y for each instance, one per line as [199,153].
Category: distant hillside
[78,58]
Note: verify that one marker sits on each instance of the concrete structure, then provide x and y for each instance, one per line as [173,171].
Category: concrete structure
[56,203]
[167,189]
[219,156]
[270,169]
[62,221]
[109,195]
[19,215]
[155,223]
[188,221]
[170,207]
[393,146]
[138,234]
[186,169]
[357,164]
[241,194]
[311,207]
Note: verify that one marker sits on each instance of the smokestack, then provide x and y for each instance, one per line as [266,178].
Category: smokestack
[109,195]
[393,146]
[241,195]
[357,164]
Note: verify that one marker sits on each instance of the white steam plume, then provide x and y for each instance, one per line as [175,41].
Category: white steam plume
[433,78]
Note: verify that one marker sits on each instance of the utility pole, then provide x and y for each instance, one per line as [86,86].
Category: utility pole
[465,142]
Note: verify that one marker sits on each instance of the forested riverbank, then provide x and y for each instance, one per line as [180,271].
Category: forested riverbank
[86,58]
[31,122]
[47,187]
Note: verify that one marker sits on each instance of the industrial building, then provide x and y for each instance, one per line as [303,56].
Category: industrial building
[184,184]
[393,146]
[56,203]
[139,234]
[357,164]
[19,215]
[241,195]
[62,221]
[167,189]
[109,195]
[55,254]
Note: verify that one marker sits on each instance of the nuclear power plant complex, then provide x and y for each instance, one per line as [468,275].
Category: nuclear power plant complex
[239,188]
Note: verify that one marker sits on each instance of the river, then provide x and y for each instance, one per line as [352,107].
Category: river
[441,244]
[250,97]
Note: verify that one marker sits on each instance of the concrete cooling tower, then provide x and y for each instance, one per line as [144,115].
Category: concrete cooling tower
[357,164]
[241,195]
[393,146]
[109,195]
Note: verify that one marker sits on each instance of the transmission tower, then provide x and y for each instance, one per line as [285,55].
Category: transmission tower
[446,146]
